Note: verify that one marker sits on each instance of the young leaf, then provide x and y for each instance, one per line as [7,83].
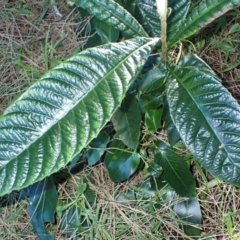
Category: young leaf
[207,118]
[206,12]
[42,206]
[114,15]
[176,171]
[126,121]
[94,154]
[59,115]
[120,164]
[153,119]
[178,12]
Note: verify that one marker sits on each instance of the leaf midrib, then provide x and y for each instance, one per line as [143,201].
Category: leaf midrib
[77,102]
[173,169]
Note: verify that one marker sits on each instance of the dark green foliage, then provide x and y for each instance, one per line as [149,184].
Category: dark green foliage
[42,206]
[120,84]
[176,171]
[120,163]
[126,121]
[98,146]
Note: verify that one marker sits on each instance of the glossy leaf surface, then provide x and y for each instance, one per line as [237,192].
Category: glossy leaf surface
[153,119]
[152,80]
[42,206]
[207,118]
[195,62]
[151,18]
[148,10]
[114,15]
[206,12]
[121,164]
[176,171]
[126,121]
[60,114]
[131,7]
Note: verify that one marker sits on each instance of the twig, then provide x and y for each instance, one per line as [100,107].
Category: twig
[55,10]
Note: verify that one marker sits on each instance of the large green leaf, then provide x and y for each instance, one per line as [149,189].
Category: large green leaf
[178,12]
[193,61]
[126,121]
[176,171]
[114,15]
[42,206]
[148,10]
[207,118]
[59,115]
[206,12]
[120,163]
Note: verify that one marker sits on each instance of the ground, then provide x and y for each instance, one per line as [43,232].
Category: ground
[33,39]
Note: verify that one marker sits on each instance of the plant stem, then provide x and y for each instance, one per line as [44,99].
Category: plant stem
[163,20]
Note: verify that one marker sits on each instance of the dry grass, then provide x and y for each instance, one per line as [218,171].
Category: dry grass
[135,219]
[29,46]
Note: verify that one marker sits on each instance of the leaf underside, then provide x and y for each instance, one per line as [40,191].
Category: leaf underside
[60,114]
[207,118]
[179,10]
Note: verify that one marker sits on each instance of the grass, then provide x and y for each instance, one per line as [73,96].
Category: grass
[32,41]
[120,219]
